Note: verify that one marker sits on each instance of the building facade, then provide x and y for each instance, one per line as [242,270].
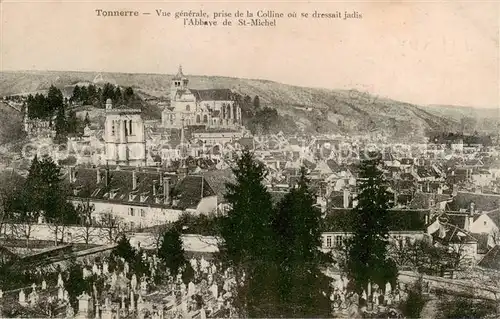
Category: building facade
[124,136]
[213,108]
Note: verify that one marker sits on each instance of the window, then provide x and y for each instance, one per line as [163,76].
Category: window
[113,128]
[143,213]
[131,211]
[188,108]
[198,118]
[130,127]
[338,240]
[328,241]
[125,127]
[205,118]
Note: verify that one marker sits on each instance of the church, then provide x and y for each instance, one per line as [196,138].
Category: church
[211,109]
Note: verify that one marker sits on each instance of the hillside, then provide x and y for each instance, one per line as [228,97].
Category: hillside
[11,128]
[314,110]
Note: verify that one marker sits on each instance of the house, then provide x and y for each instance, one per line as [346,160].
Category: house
[406,226]
[140,197]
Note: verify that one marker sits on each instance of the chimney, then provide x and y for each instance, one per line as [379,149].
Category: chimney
[71,176]
[346,198]
[166,189]
[472,208]
[134,180]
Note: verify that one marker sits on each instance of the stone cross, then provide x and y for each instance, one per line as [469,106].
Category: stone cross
[83,303]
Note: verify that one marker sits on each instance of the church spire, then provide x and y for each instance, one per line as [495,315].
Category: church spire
[180,74]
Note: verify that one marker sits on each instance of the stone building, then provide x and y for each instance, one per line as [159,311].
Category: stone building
[211,109]
[124,136]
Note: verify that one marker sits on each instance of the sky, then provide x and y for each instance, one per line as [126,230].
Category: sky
[419,52]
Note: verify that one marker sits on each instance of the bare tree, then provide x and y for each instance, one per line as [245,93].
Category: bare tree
[84,210]
[113,224]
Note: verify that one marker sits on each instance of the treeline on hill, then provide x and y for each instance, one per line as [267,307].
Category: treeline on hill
[54,108]
[97,96]
[450,138]
[262,119]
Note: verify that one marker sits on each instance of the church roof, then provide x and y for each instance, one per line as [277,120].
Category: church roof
[212,94]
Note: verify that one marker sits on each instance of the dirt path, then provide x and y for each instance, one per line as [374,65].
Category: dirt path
[430,310]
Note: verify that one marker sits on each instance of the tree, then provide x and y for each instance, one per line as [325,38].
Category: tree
[368,247]
[108,92]
[86,122]
[61,125]
[76,96]
[72,125]
[84,210]
[256,103]
[124,250]
[25,206]
[171,251]
[303,289]
[113,225]
[247,231]
[75,284]
[55,99]
[128,94]
[187,273]
[118,95]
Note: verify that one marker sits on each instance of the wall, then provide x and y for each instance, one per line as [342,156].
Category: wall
[143,216]
[97,235]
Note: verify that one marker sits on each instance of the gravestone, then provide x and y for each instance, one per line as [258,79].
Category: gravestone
[60,282]
[84,304]
[44,285]
[22,298]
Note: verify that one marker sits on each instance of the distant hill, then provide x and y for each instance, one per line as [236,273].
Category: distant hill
[312,109]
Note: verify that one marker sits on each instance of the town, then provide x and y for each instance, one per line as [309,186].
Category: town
[107,213]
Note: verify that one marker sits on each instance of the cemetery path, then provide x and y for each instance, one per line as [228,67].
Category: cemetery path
[430,309]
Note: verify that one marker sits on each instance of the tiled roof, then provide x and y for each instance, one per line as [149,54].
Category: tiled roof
[423,200]
[491,259]
[482,242]
[120,187]
[217,180]
[340,220]
[483,202]
[212,94]
[191,190]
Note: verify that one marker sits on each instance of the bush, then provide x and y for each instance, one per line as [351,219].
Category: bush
[413,305]
[466,308]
